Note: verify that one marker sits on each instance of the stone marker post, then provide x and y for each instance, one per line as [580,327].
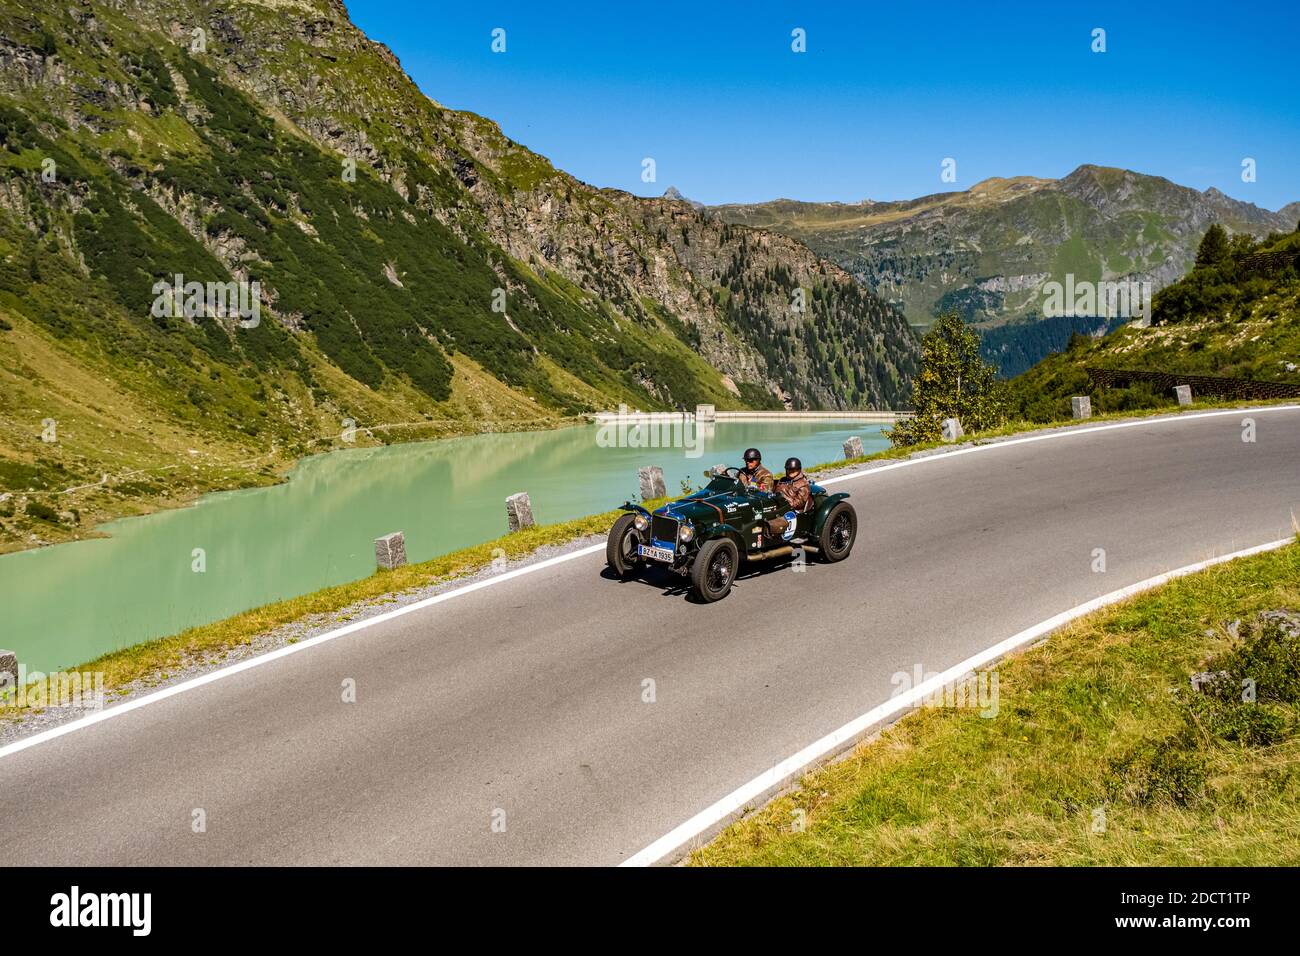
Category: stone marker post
[652,482]
[1081,406]
[519,511]
[8,671]
[952,429]
[1184,394]
[390,551]
[853,447]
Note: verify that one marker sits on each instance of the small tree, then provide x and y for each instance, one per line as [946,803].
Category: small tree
[954,382]
[1213,248]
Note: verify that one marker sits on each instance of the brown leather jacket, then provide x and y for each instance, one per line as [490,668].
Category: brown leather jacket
[759,478]
[797,491]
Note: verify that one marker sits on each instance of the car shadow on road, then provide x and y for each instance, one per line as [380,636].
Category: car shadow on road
[672,584]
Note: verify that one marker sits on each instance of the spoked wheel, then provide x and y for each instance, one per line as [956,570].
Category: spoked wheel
[838,533]
[621,548]
[714,570]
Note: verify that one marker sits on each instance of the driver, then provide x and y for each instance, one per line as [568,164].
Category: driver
[754,475]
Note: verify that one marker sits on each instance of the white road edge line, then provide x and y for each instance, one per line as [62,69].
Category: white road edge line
[677,838]
[125,708]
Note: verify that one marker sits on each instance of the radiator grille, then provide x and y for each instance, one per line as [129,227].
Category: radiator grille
[663,528]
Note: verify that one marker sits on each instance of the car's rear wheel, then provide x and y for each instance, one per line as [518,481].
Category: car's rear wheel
[838,533]
[621,548]
[714,570]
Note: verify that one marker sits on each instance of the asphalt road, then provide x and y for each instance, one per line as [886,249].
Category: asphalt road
[523,702]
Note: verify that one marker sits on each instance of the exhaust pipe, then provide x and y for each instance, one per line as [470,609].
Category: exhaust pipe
[784,551]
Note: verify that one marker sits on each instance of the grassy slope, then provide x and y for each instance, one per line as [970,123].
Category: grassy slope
[1258,344]
[170,409]
[1086,721]
[110,422]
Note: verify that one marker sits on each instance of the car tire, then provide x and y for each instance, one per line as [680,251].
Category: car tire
[839,531]
[714,570]
[620,549]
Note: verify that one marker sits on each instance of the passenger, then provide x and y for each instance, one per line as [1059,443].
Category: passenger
[796,491]
[795,487]
[754,475]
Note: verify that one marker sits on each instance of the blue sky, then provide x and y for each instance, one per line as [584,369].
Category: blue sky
[885,92]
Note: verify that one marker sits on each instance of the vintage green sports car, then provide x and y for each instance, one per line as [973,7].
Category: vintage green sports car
[705,535]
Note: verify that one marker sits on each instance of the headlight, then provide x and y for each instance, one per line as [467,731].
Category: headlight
[641,522]
[687,532]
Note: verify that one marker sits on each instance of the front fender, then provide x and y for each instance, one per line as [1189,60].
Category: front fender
[629,506]
[727,531]
[711,531]
[825,509]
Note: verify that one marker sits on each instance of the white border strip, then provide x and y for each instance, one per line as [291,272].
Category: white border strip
[213,676]
[678,837]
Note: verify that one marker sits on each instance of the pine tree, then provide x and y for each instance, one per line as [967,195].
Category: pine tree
[1213,248]
[954,382]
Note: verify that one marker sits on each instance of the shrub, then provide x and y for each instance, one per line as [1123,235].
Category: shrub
[42,512]
[1167,771]
[1174,769]
[1269,655]
[1252,724]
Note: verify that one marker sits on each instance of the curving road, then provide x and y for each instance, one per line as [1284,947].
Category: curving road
[527,696]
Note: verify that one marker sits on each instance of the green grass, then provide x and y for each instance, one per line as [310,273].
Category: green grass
[1098,755]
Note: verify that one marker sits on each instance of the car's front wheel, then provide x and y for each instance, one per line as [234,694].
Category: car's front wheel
[714,570]
[621,548]
[838,533]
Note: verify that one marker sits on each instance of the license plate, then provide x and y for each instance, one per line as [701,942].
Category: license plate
[655,554]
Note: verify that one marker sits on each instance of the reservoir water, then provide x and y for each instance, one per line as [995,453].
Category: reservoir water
[67,604]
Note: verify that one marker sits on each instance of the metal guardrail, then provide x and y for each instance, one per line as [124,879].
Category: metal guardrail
[1272,262]
[1220,386]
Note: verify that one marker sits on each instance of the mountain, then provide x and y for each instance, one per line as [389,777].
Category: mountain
[419,273]
[672,192]
[988,251]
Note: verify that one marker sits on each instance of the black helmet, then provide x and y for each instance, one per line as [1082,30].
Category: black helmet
[793,465]
[753,454]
